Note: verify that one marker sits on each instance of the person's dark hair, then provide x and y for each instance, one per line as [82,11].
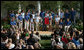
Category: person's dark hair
[71,33]
[4,29]
[81,35]
[22,10]
[77,33]
[62,29]
[5,37]
[61,32]
[30,16]
[31,35]
[57,33]
[32,32]
[25,30]
[56,40]
[76,38]
[61,19]
[64,36]
[20,13]
[52,35]
[12,11]
[37,33]
[57,13]
[68,40]
[56,30]
[70,29]
[37,11]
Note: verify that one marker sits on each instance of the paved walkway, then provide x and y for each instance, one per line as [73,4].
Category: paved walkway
[43,32]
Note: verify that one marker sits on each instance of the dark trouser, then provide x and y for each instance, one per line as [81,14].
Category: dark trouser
[43,25]
[23,22]
[73,19]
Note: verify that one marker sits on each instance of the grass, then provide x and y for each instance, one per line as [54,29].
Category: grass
[46,44]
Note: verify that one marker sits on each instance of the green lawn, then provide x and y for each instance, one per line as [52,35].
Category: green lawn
[46,44]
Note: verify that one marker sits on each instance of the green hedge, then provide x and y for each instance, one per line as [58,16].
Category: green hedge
[45,37]
[5,25]
[45,44]
[79,26]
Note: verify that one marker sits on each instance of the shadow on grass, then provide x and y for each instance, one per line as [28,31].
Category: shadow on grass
[46,44]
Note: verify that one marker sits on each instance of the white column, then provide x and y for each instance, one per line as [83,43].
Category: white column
[19,8]
[39,6]
[59,10]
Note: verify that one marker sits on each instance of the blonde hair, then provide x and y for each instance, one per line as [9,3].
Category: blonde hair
[21,40]
[81,40]
[71,45]
[49,14]
[9,40]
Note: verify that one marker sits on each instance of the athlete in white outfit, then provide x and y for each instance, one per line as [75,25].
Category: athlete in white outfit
[31,23]
[37,19]
[27,21]
[23,16]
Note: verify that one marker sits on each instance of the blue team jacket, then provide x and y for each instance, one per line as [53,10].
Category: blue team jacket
[13,22]
[20,17]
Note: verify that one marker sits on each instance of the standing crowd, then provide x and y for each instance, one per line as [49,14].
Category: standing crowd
[33,20]
[64,37]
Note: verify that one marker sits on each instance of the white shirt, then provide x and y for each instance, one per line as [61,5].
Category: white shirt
[35,36]
[60,44]
[6,41]
[11,46]
[37,19]
[31,20]
[47,14]
[18,36]
[57,19]
[17,16]
[23,14]
[53,43]
[33,16]
[50,17]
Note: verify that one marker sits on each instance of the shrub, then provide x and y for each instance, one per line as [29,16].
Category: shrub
[45,37]
[5,25]
[79,26]
[46,44]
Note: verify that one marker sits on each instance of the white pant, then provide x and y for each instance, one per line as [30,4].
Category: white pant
[67,28]
[27,25]
[20,25]
[14,26]
[60,26]
[17,22]
[31,26]
[50,22]
[37,26]
[23,23]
